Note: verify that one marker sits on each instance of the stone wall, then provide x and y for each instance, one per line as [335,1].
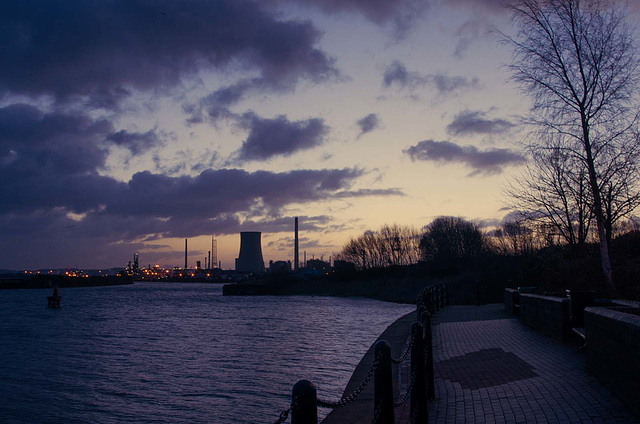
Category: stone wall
[613,345]
[512,301]
[547,314]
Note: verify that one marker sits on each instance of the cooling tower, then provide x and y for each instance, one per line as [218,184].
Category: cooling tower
[250,257]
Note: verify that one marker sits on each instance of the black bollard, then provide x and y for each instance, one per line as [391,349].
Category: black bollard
[383,385]
[436,297]
[419,391]
[428,342]
[442,295]
[303,399]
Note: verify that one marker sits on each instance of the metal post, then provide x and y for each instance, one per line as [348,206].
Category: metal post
[428,341]
[419,392]
[442,286]
[304,401]
[383,385]
[436,299]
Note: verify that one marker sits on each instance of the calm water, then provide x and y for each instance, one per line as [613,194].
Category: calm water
[175,353]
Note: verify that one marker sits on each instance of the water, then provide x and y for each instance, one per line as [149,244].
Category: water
[175,353]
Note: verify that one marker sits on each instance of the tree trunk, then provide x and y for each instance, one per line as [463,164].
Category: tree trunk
[597,209]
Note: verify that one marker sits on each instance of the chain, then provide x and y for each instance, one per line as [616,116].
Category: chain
[409,389]
[414,416]
[376,414]
[283,416]
[406,352]
[344,401]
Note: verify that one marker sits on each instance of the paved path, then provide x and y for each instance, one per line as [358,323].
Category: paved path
[491,368]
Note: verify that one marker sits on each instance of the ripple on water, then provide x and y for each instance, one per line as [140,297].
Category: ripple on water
[168,352]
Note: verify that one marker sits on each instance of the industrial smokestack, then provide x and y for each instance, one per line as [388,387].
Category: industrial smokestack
[250,256]
[296,257]
[185,253]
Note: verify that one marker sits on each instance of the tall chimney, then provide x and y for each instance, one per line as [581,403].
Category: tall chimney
[296,257]
[185,253]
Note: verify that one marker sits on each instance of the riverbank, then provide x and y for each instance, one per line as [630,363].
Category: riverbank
[389,290]
[360,411]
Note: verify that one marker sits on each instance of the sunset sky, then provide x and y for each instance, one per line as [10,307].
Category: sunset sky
[129,125]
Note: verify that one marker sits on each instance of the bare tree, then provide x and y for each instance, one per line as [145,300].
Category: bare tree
[576,59]
[516,237]
[554,192]
[389,246]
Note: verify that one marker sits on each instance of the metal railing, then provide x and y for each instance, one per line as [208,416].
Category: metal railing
[304,399]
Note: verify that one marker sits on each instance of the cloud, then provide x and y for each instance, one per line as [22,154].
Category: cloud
[78,210]
[487,162]
[102,50]
[136,142]
[487,5]
[368,123]
[396,74]
[470,32]
[279,136]
[469,122]
[400,15]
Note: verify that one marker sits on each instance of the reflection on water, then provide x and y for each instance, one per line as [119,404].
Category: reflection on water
[172,353]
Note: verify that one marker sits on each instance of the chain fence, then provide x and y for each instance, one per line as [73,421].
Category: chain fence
[406,353]
[346,400]
[422,298]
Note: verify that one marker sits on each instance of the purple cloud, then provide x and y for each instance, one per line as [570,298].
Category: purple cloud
[279,136]
[469,122]
[396,74]
[487,162]
[102,50]
[368,123]
[401,15]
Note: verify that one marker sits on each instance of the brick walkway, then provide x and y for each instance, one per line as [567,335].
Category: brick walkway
[491,368]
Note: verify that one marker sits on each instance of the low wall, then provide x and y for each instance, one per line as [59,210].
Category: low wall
[613,343]
[512,301]
[547,314]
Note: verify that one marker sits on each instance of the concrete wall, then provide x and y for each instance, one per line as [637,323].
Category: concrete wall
[511,299]
[547,314]
[613,346]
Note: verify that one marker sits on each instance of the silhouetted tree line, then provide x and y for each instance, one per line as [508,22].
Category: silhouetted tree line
[517,253]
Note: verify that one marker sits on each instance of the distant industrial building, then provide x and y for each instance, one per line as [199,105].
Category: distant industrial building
[250,256]
[279,267]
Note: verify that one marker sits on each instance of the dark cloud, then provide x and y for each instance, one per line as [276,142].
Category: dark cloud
[367,192]
[488,5]
[52,144]
[400,15]
[468,33]
[104,49]
[136,142]
[471,122]
[279,136]
[368,123]
[75,205]
[396,74]
[487,162]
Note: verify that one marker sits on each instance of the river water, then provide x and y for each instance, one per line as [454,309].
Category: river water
[175,353]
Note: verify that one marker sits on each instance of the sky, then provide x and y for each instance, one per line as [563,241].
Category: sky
[127,126]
